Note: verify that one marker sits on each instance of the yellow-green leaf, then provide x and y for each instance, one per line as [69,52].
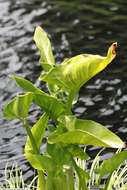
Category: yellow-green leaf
[76,71]
[38,131]
[85,132]
[40,162]
[51,105]
[43,43]
[111,164]
[18,107]
[26,85]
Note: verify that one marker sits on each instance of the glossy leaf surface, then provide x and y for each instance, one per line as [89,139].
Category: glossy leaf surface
[43,43]
[18,107]
[76,71]
[85,132]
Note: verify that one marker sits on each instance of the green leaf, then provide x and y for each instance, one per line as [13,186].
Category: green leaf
[77,152]
[18,107]
[82,175]
[111,164]
[85,132]
[83,178]
[26,85]
[59,154]
[43,43]
[53,107]
[40,162]
[38,131]
[76,71]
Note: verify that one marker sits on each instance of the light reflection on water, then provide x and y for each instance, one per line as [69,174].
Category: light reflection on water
[74,27]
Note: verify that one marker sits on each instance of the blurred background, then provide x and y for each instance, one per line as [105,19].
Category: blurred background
[74,27]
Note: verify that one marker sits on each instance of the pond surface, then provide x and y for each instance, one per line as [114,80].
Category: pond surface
[77,26]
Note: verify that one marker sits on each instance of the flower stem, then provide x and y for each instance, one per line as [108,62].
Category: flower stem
[41,178]
[69,102]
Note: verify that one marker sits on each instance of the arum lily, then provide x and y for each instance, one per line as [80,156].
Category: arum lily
[76,71]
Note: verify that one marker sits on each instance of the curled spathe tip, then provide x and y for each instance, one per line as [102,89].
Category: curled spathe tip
[114,46]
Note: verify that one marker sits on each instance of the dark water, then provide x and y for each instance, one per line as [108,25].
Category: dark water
[74,27]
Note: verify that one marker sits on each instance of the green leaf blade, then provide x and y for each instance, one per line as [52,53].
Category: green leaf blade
[76,71]
[111,164]
[86,132]
[38,131]
[40,162]
[43,43]
[53,107]
[26,85]
[18,107]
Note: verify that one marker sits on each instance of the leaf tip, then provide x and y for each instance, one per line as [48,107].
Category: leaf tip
[114,46]
[112,51]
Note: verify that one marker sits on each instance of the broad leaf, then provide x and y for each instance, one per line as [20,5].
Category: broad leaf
[53,107]
[38,131]
[26,85]
[40,162]
[43,43]
[85,132]
[109,165]
[18,107]
[76,71]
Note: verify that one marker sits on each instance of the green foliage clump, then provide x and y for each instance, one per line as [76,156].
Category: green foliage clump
[58,167]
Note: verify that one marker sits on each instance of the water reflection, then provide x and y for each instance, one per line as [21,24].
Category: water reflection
[74,27]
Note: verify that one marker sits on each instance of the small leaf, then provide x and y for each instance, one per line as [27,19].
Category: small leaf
[38,131]
[43,43]
[85,132]
[76,71]
[40,162]
[53,107]
[111,164]
[77,152]
[26,85]
[18,107]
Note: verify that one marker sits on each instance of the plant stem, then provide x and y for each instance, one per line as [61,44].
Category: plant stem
[41,178]
[69,102]
[70,179]
[32,140]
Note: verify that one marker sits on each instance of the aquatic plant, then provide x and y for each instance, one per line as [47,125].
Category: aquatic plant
[57,167]
[13,179]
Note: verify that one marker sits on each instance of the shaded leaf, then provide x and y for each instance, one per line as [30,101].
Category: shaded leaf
[83,178]
[59,154]
[82,175]
[77,152]
[43,43]
[53,107]
[85,132]
[76,71]
[18,107]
